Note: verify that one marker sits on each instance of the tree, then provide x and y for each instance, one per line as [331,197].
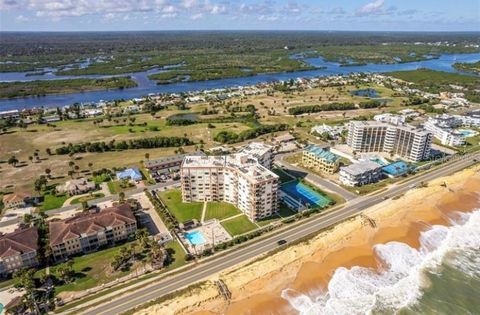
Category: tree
[48,171]
[65,271]
[40,183]
[13,161]
[121,197]
[147,156]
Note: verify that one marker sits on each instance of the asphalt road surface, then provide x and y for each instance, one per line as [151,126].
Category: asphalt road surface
[208,268]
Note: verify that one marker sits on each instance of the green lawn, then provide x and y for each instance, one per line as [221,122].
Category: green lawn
[53,201]
[91,270]
[238,225]
[178,255]
[86,198]
[220,210]
[116,187]
[181,210]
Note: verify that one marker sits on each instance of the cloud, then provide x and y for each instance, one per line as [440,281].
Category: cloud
[372,8]
[337,11]
[22,18]
[197,16]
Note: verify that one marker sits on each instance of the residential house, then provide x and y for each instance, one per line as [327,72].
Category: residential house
[130,174]
[76,187]
[16,200]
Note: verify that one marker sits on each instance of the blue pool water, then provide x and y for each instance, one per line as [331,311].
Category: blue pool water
[467,133]
[195,238]
[298,190]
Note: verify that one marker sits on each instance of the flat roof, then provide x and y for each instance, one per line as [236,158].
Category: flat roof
[360,167]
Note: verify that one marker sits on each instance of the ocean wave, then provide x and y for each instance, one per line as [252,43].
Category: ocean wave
[401,276]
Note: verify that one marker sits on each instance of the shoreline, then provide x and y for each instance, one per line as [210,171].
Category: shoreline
[307,267]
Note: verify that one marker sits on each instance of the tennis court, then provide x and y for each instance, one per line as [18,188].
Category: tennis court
[305,194]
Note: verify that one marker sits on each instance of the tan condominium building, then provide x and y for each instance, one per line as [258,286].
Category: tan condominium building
[320,159]
[237,179]
[405,141]
[86,232]
[18,250]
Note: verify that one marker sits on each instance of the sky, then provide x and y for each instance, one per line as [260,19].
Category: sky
[129,15]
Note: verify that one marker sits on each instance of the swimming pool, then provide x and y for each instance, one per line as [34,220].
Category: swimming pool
[195,238]
[467,133]
[307,195]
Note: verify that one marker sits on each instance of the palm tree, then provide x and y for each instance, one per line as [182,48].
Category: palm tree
[48,171]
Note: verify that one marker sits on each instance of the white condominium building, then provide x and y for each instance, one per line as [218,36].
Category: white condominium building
[390,118]
[406,141]
[237,179]
[260,152]
[443,132]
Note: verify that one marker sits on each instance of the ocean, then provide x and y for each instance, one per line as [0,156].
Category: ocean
[442,276]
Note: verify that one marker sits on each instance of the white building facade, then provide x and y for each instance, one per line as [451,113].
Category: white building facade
[413,144]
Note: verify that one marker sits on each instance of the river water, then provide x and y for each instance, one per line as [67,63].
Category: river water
[146,86]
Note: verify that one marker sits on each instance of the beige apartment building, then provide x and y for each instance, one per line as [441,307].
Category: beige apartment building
[18,250]
[320,159]
[238,179]
[86,232]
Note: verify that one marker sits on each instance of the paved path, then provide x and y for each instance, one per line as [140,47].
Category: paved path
[204,211]
[292,233]
[315,179]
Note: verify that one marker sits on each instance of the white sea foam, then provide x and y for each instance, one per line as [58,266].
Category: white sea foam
[400,280]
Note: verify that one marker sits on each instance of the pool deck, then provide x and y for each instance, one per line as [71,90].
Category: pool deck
[213,233]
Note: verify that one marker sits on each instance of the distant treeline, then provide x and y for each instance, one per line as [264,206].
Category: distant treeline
[232,137]
[372,104]
[146,143]
[320,108]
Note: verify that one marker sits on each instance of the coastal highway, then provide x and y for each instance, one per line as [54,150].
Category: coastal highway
[210,267]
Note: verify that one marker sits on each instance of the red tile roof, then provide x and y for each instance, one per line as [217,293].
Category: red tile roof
[20,196]
[89,223]
[19,242]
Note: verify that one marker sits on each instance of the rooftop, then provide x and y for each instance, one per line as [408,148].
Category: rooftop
[322,153]
[171,159]
[239,162]
[360,167]
[19,242]
[89,223]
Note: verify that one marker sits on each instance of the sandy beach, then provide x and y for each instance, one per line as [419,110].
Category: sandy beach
[256,285]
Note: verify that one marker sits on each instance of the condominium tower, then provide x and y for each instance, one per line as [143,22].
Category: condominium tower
[239,179]
[406,141]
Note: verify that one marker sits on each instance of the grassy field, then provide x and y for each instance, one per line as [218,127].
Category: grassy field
[238,225]
[86,198]
[182,211]
[220,210]
[53,201]
[117,186]
[92,270]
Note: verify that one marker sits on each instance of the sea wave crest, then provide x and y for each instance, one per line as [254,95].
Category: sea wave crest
[401,276]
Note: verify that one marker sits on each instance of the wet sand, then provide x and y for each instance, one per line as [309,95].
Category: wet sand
[309,267]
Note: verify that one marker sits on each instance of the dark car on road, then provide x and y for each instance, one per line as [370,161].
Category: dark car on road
[282,242]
